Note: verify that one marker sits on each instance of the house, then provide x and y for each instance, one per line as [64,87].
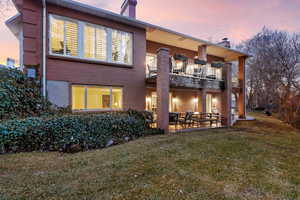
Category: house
[95,60]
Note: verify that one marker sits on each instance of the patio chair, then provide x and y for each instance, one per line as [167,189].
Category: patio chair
[173,119]
[182,69]
[202,118]
[149,118]
[211,76]
[151,71]
[197,72]
[212,118]
[68,51]
[187,119]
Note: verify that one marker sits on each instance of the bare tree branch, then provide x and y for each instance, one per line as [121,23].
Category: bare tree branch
[273,72]
[5,7]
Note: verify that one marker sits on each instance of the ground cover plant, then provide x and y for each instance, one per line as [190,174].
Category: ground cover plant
[253,160]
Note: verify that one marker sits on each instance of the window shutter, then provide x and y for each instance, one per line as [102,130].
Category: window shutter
[57,36]
[89,42]
[121,47]
[71,38]
[127,59]
[101,44]
[116,46]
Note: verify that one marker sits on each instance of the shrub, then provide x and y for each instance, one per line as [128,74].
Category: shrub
[20,96]
[58,133]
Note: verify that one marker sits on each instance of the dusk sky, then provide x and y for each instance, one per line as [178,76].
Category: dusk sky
[207,19]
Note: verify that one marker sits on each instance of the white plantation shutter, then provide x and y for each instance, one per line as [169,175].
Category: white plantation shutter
[71,30]
[127,47]
[57,36]
[116,46]
[95,43]
[89,42]
[75,38]
[64,36]
[121,47]
[101,43]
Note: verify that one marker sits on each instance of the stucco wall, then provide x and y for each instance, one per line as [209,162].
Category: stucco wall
[58,93]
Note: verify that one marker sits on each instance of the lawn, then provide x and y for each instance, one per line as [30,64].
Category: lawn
[253,160]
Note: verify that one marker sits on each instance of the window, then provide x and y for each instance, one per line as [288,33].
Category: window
[153,102]
[151,63]
[96,98]
[78,97]
[64,37]
[121,47]
[79,39]
[95,43]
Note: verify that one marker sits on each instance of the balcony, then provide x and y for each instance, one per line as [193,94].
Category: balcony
[187,73]
[199,79]
[235,82]
[180,81]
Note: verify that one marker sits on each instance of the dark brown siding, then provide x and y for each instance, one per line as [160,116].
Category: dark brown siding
[31,18]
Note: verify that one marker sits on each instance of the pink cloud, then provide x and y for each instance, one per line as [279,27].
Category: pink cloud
[207,19]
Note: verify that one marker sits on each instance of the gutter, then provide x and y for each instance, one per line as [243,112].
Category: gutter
[44,84]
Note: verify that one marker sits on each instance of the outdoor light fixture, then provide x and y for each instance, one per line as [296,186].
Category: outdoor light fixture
[214,100]
[148,102]
[195,100]
[175,100]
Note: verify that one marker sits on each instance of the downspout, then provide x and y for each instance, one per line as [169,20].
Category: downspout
[44,50]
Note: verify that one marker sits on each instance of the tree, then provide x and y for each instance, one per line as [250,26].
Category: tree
[5,6]
[273,72]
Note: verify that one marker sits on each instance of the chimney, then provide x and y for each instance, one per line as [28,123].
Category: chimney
[128,8]
[225,43]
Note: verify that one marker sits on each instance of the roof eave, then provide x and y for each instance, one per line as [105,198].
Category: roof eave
[14,24]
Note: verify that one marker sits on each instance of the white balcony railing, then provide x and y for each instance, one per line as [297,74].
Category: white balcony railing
[190,70]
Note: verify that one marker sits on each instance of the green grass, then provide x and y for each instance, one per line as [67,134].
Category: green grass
[253,160]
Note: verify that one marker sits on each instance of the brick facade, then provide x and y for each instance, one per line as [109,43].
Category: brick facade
[162,89]
[131,78]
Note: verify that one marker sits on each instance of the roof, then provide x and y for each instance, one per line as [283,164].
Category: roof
[13,24]
[154,32]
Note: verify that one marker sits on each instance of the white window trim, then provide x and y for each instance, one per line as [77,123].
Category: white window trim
[50,38]
[80,47]
[104,109]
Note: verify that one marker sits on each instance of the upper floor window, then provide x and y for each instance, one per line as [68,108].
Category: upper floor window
[78,39]
[64,37]
[95,43]
[121,47]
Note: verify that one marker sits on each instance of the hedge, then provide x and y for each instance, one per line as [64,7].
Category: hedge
[20,97]
[60,133]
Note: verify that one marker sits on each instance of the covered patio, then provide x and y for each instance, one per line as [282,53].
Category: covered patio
[187,75]
[189,109]
[191,121]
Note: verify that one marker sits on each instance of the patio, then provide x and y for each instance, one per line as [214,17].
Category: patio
[188,121]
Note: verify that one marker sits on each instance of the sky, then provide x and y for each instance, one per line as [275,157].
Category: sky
[206,19]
